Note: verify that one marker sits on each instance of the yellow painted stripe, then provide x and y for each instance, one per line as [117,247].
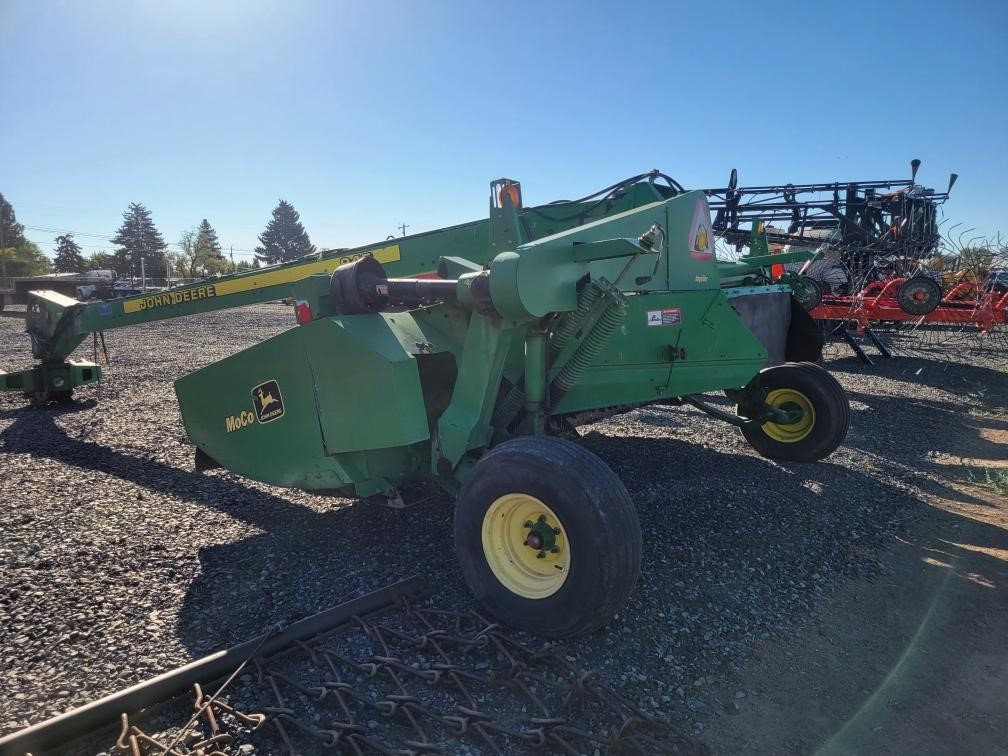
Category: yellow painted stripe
[287,275]
[252,282]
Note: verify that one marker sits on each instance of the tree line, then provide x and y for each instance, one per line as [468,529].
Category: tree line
[199,252]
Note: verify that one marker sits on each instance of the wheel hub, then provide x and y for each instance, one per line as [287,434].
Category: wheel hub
[525,546]
[542,536]
[918,295]
[792,401]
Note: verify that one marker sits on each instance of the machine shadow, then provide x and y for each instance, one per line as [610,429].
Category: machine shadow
[717,528]
[699,545]
[736,535]
[35,432]
[304,561]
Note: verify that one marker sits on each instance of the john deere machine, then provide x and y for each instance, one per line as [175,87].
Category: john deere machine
[467,356]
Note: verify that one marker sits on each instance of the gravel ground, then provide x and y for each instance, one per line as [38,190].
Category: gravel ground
[118,562]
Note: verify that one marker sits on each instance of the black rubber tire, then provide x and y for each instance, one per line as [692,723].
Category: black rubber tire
[919,284]
[600,524]
[828,399]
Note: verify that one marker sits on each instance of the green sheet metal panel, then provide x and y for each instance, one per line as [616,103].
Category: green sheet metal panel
[690,264]
[330,403]
[367,384]
[272,436]
[670,344]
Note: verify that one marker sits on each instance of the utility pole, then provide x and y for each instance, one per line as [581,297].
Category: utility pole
[143,273]
[3,255]
[402,227]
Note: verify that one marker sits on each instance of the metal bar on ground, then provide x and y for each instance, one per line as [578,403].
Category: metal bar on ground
[856,347]
[66,727]
[879,344]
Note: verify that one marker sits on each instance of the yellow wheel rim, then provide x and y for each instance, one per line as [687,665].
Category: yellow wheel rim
[790,399]
[525,546]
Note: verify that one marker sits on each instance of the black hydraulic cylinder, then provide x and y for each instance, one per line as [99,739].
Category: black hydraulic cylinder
[66,727]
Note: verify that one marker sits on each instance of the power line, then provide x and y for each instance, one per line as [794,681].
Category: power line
[60,231]
[111,249]
[168,247]
[46,229]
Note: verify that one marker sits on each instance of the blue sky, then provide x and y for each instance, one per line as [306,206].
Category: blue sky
[368,114]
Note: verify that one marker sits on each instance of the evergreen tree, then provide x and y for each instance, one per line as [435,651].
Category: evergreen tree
[138,238]
[68,255]
[284,238]
[11,231]
[210,248]
[208,238]
[201,248]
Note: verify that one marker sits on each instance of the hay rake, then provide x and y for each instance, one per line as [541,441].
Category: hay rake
[884,267]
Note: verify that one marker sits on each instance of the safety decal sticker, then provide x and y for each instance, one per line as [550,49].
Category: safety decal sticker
[666,317]
[701,238]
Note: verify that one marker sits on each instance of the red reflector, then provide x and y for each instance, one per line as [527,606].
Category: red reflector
[302,312]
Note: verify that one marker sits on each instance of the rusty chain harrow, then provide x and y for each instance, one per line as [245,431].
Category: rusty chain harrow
[414,681]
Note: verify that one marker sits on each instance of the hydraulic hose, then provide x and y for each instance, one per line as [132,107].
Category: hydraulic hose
[606,194]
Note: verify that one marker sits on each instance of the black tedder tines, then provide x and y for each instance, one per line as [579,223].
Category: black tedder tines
[413,680]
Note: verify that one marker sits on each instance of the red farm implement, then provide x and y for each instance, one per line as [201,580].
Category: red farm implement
[879,301]
[884,261]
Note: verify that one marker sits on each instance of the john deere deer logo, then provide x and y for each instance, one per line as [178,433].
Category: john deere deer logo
[267,401]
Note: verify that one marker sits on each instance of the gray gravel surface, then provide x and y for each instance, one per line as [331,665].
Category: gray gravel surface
[118,562]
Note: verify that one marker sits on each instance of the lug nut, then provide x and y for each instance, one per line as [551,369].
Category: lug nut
[555,550]
[541,555]
[542,518]
[528,523]
[556,531]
